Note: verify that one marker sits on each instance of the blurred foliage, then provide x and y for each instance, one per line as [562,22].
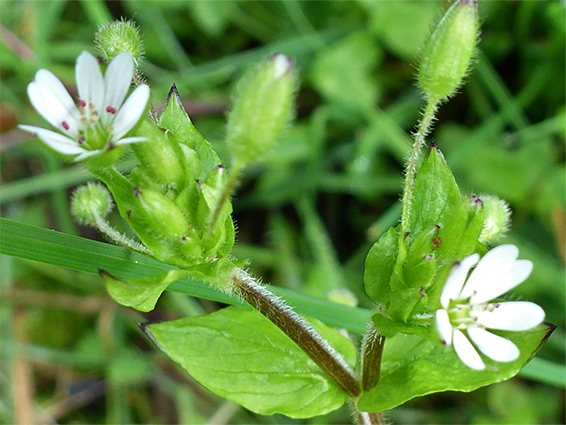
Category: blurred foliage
[308,215]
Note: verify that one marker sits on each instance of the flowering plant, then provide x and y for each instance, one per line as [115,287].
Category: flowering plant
[435,326]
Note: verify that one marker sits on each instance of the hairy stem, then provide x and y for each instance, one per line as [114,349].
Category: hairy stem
[372,347]
[115,236]
[423,129]
[369,418]
[226,191]
[296,328]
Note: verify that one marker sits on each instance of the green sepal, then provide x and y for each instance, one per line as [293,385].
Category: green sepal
[435,193]
[379,266]
[179,126]
[459,235]
[406,302]
[240,355]
[141,294]
[413,366]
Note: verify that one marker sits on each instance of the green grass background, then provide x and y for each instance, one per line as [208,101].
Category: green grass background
[307,215]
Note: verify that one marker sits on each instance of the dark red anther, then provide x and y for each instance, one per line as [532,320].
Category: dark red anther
[65,125]
[110,110]
[81,104]
[81,140]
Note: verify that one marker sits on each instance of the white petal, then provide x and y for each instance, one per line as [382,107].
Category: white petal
[89,80]
[443,326]
[131,111]
[52,109]
[493,346]
[456,279]
[130,140]
[52,84]
[55,141]
[467,352]
[496,273]
[502,280]
[509,316]
[117,82]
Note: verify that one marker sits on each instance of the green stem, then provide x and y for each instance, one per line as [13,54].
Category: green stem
[115,236]
[423,129]
[226,191]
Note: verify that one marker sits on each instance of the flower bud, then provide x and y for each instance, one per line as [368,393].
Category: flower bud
[90,203]
[497,218]
[447,54]
[160,158]
[119,36]
[261,109]
[156,213]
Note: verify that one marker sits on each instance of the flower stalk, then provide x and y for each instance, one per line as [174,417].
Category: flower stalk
[423,130]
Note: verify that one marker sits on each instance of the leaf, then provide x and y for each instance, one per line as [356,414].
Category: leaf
[412,367]
[379,266]
[435,192]
[242,356]
[141,294]
[174,118]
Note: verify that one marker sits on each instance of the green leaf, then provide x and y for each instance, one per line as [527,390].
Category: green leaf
[379,266]
[174,118]
[242,356]
[435,193]
[413,367]
[141,294]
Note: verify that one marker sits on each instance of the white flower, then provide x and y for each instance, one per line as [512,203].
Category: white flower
[100,119]
[467,312]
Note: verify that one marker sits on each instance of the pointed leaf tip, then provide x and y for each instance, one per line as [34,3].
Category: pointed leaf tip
[173,92]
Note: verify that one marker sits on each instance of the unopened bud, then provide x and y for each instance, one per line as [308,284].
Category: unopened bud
[447,54]
[90,203]
[160,157]
[262,109]
[119,36]
[497,218]
[158,214]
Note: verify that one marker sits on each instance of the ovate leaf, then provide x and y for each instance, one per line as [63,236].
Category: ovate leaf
[242,356]
[435,192]
[413,366]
